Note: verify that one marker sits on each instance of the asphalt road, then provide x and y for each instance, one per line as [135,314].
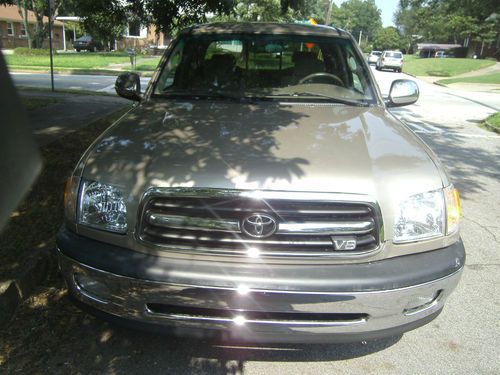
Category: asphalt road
[99,83]
[464,339]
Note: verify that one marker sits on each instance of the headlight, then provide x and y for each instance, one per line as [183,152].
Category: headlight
[427,215]
[103,207]
[420,217]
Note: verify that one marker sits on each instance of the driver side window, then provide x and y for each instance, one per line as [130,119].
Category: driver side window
[168,75]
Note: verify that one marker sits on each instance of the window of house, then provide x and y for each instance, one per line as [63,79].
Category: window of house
[10,28]
[23,30]
[134,29]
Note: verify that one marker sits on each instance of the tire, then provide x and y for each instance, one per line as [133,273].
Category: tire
[78,50]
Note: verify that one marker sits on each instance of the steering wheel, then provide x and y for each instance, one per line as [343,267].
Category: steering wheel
[333,77]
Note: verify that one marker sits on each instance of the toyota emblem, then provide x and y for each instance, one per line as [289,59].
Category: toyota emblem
[259,225]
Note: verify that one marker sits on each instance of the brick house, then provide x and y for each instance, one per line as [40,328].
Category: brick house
[13,33]
[139,36]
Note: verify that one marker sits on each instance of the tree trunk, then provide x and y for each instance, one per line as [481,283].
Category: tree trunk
[41,30]
[22,8]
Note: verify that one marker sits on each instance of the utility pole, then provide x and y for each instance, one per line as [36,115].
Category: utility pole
[329,13]
[50,46]
[360,34]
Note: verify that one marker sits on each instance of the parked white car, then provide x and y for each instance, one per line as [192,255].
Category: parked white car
[373,57]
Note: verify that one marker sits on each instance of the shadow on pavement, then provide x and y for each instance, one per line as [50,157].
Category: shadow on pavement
[51,335]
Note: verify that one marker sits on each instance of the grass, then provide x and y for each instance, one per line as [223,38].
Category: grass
[493,79]
[37,103]
[70,60]
[492,123]
[147,64]
[83,63]
[443,67]
[38,218]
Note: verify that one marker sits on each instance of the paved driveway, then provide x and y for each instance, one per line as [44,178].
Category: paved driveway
[50,335]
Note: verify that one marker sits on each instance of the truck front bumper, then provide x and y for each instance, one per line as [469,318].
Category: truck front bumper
[259,302]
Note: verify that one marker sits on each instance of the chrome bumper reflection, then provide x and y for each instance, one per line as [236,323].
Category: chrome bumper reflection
[242,310]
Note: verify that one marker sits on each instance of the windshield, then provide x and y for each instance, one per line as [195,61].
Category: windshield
[396,55]
[288,67]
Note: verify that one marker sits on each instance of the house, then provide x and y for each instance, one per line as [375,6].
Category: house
[430,49]
[13,33]
[138,36]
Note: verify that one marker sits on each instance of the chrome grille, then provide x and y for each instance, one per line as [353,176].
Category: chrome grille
[210,220]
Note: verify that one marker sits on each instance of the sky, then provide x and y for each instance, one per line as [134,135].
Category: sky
[388,8]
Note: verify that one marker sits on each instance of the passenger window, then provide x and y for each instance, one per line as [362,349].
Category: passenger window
[353,69]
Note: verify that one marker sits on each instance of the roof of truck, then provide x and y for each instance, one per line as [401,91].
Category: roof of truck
[264,28]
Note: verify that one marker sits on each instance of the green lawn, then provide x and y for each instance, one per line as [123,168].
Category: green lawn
[443,67]
[73,60]
[147,63]
[493,78]
[494,120]
[492,123]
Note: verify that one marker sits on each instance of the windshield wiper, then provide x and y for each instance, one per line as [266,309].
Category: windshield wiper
[360,103]
[202,94]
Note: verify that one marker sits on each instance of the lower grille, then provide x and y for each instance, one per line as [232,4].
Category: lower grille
[259,224]
[258,317]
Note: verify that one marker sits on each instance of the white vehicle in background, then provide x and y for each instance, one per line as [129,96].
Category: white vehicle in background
[390,60]
[373,57]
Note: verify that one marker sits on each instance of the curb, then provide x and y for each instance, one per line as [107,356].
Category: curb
[14,292]
[440,84]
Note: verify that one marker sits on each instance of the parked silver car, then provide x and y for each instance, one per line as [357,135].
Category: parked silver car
[260,190]
[390,60]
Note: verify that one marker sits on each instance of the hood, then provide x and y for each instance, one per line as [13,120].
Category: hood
[273,146]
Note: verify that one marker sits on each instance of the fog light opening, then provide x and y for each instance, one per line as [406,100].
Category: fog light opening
[422,303]
[91,288]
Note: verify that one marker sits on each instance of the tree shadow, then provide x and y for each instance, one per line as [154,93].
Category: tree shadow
[50,334]
[465,162]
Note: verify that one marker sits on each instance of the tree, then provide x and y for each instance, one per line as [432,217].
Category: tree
[171,15]
[40,9]
[448,20]
[358,16]
[105,20]
[387,38]
[256,10]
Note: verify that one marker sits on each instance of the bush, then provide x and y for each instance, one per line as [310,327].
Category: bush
[23,51]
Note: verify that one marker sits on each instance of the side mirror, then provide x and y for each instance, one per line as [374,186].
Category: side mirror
[128,86]
[402,92]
